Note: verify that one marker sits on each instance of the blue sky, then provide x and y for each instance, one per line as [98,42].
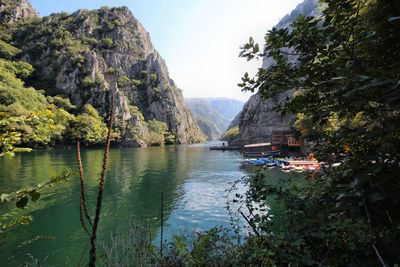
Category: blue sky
[199,39]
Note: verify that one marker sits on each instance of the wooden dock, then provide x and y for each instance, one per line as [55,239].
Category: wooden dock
[224,148]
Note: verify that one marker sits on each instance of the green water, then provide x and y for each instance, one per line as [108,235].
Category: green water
[192,179]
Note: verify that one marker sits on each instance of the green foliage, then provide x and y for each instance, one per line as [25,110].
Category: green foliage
[89,41]
[136,83]
[7,50]
[78,59]
[131,248]
[89,82]
[216,247]
[156,94]
[157,131]
[124,81]
[347,101]
[143,74]
[89,126]
[107,43]
[11,71]
[22,197]
[63,103]
[231,134]
[153,77]
[27,118]
[134,110]
[9,135]
[111,70]
[66,42]
[170,138]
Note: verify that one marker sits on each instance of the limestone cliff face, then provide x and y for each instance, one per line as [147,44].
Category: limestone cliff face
[259,116]
[89,54]
[14,10]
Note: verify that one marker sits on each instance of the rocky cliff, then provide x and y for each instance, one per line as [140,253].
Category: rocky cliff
[13,10]
[259,116]
[88,55]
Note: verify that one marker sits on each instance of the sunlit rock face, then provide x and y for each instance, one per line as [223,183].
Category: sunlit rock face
[13,10]
[89,54]
[259,116]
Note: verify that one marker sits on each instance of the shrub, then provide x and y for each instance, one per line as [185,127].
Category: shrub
[7,50]
[124,81]
[111,70]
[89,41]
[231,134]
[157,131]
[107,43]
[78,59]
[136,83]
[89,126]
[153,77]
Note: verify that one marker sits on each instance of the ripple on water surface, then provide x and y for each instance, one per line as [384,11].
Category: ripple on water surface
[192,178]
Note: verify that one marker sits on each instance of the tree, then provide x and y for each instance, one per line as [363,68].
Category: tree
[157,132]
[346,76]
[231,134]
[27,117]
[89,126]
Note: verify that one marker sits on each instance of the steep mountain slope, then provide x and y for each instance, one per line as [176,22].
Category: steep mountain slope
[14,10]
[259,118]
[213,115]
[89,55]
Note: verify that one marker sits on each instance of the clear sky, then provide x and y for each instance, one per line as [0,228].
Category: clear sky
[199,39]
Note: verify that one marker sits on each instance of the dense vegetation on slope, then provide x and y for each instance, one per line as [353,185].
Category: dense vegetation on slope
[30,119]
[82,58]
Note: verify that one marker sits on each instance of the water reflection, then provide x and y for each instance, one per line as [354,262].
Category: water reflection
[192,179]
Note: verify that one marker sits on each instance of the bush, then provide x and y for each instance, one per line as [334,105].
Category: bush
[136,83]
[134,110]
[89,126]
[153,77]
[111,70]
[124,81]
[107,43]
[231,134]
[89,41]
[78,59]
[157,131]
[7,50]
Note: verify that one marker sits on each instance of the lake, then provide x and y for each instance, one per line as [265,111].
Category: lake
[192,179]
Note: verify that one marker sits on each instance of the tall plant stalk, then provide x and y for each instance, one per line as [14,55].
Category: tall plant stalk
[83,206]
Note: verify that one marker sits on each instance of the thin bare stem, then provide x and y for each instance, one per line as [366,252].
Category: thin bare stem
[92,261]
[82,207]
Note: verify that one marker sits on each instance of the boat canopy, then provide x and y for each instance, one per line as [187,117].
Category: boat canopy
[258,145]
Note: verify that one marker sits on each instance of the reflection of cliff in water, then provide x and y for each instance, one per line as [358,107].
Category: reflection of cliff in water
[134,184]
[139,176]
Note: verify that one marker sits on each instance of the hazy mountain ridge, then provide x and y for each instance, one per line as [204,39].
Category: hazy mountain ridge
[214,115]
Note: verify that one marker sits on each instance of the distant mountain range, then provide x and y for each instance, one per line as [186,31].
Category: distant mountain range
[214,115]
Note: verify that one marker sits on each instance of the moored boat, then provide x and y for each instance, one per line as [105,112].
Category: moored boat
[263,154]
